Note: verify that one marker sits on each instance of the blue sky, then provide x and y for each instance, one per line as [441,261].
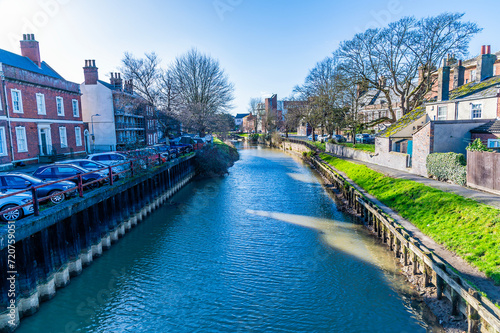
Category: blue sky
[264,46]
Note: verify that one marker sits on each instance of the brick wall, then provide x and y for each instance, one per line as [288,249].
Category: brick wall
[423,143]
[485,136]
[30,109]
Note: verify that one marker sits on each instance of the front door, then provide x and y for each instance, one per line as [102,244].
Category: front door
[45,141]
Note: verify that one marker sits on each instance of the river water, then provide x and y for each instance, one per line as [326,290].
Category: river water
[262,250]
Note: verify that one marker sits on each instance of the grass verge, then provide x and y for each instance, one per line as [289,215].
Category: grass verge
[464,226]
[360,146]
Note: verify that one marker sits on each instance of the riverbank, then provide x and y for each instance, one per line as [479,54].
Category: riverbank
[468,274]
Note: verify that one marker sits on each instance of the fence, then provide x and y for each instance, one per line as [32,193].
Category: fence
[131,168]
[483,171]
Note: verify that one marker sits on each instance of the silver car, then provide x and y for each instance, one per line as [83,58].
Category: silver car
[15,201]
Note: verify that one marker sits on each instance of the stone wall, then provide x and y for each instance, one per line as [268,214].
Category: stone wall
[382,157]
[423,141]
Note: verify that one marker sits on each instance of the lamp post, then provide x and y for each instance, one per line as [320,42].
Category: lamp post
[93,136]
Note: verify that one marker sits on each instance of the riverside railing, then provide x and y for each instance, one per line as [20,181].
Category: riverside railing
[130,168]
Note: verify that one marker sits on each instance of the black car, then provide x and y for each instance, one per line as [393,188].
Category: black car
[166,151]
[20,181]
[62,171]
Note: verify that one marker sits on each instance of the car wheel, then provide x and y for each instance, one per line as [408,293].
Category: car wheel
[12,215]
[92,186]
[56,199]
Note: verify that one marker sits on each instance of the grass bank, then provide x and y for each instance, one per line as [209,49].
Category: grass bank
[360,146]
[215,160]
[464,226]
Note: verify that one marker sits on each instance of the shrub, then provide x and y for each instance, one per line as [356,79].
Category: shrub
[253,138]
[215,160]
[447,166]
[477,145]
[276,139]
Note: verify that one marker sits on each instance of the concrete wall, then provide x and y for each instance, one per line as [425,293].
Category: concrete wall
[97,99]
[388,159]
[453,136]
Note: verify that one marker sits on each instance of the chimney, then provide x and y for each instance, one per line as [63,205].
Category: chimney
[485,63]
[90,71]
[129,86]
[116,81]
[458,75]
[444,82]
[382,81]
[362,88]
[31,49]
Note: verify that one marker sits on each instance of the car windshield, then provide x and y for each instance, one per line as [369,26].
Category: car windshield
[28,178]
[75,167]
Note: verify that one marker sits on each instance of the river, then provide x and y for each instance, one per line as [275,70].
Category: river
[262,250]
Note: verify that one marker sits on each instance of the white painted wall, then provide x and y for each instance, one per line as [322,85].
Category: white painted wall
[489,109]
[98,99]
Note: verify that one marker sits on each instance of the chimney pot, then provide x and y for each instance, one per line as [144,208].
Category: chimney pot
[32,36]
[483,49]
[488,49]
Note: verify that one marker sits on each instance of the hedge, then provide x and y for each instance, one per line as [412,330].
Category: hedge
[447,166]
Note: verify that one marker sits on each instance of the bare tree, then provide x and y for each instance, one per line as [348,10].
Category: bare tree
[204,90]
[256,111]
[396,54]
[144,73]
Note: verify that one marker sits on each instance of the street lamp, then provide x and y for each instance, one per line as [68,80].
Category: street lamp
[93,136]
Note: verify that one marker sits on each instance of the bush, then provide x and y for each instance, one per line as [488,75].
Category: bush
[276,139]
[253,138]
[215,160]
[477,145]
[447,166]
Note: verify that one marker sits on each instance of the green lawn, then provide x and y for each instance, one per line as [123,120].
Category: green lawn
[464,226]
[360,146]
[244,135]
[319,145]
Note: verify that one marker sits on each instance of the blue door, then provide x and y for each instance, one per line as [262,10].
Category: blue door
[410,147]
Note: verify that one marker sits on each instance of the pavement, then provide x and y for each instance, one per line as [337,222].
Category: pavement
[477,195]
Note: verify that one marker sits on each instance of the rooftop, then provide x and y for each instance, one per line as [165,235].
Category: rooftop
[491,127]
[406,120]
[17,61]
[486,88]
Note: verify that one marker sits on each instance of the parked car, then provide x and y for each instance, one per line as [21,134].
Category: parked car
[339,138]
[112,158]
[166,151]
[61,171]
[95,166]
[310,137]
[21,181]
[195,142]
[150,154]
[12,202]
[365,138]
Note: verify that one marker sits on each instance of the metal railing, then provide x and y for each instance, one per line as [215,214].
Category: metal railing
[129,169]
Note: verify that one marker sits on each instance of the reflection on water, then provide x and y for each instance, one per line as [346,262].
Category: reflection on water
[258,251]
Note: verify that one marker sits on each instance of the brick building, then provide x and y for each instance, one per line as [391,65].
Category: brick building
[118,118]
[40,112]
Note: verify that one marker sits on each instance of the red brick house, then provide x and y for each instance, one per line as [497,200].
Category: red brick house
[40,112]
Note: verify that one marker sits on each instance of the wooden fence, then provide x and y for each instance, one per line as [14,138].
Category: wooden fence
[483,171]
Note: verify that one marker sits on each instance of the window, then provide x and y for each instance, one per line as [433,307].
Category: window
[17,101]
[398,114]
[3,142]
[476,111]
[473,75]
[60,106]
[67,171]
[16,182]
[78,136]
[63,137]
[493,143]
[21,139]
[76,112]
[47,172]
[442,112]
[40,103]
